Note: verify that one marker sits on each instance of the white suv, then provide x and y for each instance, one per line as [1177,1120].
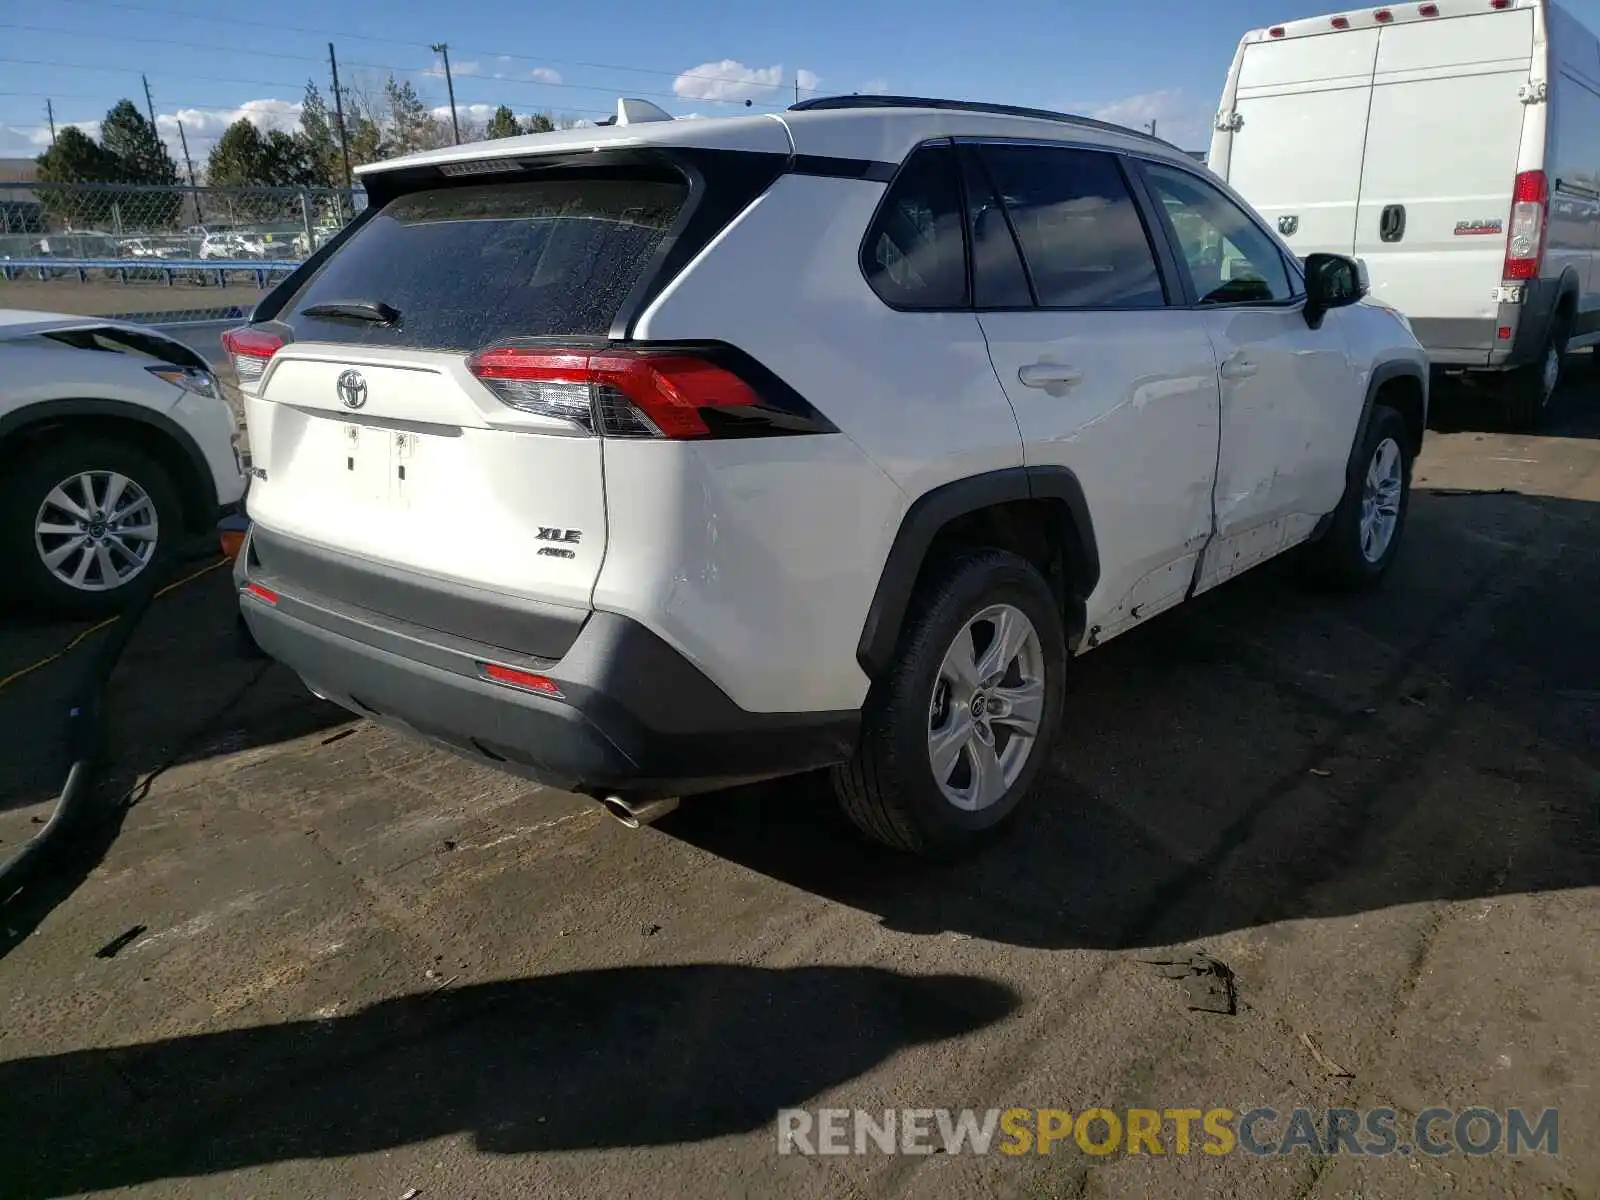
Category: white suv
[646,459]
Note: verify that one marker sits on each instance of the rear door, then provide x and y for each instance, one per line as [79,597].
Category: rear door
[1442,145]
[1302,105]
[372,437]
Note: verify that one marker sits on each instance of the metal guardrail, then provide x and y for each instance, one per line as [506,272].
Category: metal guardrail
[166,268]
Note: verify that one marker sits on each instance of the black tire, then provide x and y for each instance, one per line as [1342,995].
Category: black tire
[1338,558]
[28,480]
[1527,391]
[888,790]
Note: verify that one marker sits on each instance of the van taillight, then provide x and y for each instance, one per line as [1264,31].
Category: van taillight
[1383,16]
[1340,22]
[674,394]
[1427,10]
[250,350]
[1530,204]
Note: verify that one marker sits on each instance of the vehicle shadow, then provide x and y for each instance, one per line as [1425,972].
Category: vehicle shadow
[1574,410]
[1273,754]
[632,1056]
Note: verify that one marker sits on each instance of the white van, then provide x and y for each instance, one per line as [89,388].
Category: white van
[1454,147]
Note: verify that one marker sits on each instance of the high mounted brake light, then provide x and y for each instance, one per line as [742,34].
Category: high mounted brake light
[638,393]
[1530,211]
[250,350]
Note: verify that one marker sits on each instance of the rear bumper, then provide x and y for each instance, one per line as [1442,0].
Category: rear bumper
[633,716]
[1475,342]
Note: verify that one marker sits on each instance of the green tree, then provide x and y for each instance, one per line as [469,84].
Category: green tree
[76,158]
[320,136]
[143,159]
[134,141]
[503,124]
[411,125]
[238,158]
[286,161]
[539,123]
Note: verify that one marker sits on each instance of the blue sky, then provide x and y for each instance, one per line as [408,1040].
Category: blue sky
[1130,61]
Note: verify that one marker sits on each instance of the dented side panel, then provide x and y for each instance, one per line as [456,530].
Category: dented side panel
[1291,399]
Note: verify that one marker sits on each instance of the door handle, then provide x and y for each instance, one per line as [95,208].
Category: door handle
[1392,223]
[1239,368]
[1049,375]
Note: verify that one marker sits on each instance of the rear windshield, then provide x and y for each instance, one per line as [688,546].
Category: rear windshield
[466,266]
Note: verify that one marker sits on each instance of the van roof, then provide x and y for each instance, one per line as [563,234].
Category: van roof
[1394,14]
[867,128]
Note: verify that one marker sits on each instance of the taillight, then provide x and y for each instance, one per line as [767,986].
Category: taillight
[1530,202]
[1497,4]
[1340,22]
[1276,31]
[1383,16]
[1427,10]
[250,350]
[641,393]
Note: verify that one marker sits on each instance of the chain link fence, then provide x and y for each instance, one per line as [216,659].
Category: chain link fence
[52,229]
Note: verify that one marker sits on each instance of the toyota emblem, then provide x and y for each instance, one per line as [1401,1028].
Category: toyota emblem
[352,389]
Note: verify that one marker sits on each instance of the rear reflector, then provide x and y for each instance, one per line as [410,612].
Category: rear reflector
[526,680]
[250,350]
[263,594]
[1530,203]
[638,393]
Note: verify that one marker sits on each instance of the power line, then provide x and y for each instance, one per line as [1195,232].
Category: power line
[279,27]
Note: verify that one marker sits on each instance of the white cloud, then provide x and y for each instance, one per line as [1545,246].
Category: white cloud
[808,80]
[457,69]
[727,81]
[466,112]
[875,87]
[544,75]
[1178,119]
[206,124]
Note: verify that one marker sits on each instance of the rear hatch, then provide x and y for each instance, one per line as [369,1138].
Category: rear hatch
[1443,140]
[372,435]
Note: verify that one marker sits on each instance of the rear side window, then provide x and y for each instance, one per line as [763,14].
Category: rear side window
[1082,238]
[467,266]
[915,253]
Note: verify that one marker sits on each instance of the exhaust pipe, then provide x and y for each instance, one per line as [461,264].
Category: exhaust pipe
[634,813]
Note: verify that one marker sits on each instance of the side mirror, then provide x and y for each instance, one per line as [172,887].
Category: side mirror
[1332,281]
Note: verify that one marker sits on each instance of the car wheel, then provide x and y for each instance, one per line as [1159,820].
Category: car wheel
[958,729]
[83,524]
[1360,545]
[1529,390]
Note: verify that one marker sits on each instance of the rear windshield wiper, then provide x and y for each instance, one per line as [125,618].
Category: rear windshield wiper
[375,311]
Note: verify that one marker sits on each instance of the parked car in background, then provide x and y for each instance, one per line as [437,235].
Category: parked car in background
[1452,147]
[231,246]
[751,445]
[116,444]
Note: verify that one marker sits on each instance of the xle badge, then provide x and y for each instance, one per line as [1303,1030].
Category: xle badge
[567,536]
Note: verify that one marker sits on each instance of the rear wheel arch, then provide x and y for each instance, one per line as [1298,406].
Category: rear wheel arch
[1038,513]
[162,438]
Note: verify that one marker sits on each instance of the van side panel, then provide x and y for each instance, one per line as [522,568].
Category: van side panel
[1442,150]
[1302,107]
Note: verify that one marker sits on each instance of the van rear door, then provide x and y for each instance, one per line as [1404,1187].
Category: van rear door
[1443,139]
[1302,108]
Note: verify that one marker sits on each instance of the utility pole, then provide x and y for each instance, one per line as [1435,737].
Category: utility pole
[797,89]
[1152,127]
[149,104]
[50,111]
[443,49]
[338,108]
[199,216]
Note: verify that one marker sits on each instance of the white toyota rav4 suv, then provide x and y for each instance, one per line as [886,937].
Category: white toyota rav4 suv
[647,459]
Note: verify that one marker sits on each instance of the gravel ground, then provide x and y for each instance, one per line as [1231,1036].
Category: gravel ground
[350,966]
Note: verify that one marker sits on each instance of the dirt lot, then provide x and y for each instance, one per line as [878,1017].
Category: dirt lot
[357,968]
[105,297]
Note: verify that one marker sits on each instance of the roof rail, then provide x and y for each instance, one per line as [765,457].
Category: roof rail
[1002,110]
